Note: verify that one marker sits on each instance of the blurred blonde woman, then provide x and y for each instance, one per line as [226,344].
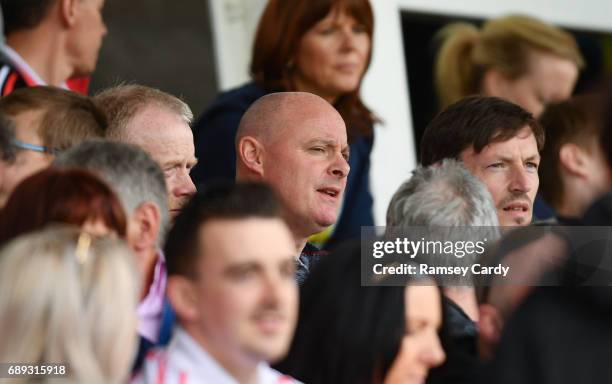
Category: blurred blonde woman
[518,58]
[68,297]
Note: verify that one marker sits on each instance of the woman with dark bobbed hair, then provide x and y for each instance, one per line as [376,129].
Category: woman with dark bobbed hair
[317,46]
[353,334]
[66,196]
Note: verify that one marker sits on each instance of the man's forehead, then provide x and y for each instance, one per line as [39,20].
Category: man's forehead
[156,119]
[310,128]
[161,132]
[523,143]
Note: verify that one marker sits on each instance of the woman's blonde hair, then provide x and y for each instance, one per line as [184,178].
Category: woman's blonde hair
[66,297]
[466,52]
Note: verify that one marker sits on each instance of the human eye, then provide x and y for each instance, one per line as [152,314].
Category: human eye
[242,273]
[415,328]
[318,149]
[496,165]
[359,28]
[170,170]
[532,165]
[327,29]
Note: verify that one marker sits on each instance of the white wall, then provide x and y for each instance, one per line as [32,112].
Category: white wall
[384,87]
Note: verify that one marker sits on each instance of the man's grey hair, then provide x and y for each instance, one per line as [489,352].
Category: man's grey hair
[444,202]
[442,195]
[130,171]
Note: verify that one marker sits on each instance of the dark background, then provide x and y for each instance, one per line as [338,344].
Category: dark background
[159,43]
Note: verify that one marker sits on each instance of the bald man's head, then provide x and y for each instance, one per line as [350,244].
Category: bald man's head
[296,142]
[270,114]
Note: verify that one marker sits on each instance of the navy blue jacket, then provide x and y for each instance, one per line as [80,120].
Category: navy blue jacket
[214,134]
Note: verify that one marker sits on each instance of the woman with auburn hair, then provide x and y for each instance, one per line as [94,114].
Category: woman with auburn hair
[69,196]
[518,58]
[69,299]
[317,46]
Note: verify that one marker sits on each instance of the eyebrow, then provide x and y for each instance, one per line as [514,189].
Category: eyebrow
[511,159]
[326,142]
[329,143]
[174,163]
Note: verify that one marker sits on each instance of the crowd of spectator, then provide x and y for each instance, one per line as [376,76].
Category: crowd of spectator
[138,244]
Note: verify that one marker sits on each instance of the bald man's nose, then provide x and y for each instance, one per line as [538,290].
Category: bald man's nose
[340,167]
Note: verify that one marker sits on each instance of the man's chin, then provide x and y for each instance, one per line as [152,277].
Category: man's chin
[271,351]
[174,212]
[506,220]
[323,225]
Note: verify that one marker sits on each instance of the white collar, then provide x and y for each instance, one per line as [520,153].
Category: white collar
[200,365]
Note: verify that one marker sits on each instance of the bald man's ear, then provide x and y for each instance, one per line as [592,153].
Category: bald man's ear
[251,154]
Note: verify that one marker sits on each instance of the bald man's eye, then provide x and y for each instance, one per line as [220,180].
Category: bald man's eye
[318,149]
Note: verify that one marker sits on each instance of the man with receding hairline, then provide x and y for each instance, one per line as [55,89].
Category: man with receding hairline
[157,122]
[296,142]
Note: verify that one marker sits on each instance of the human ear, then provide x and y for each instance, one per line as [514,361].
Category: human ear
[147,219]
[574,160]
[182,295]
[251,154]
[489,324]
[68,11]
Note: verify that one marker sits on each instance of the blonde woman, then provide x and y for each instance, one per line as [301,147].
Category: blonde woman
[67,297]
[518,58]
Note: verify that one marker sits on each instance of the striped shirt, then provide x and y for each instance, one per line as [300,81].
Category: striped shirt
[186,362]
[16,73]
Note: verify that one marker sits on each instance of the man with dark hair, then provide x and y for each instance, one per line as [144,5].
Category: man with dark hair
[49,42]
[573,171]
[47,120]
[567,327]
[498,142]
[231,282]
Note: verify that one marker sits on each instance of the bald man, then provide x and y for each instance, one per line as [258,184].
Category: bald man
[296,142]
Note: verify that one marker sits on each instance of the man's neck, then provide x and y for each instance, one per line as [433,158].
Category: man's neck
[147,259]
[45,56]
[299,246]
[243,370]
[576,199]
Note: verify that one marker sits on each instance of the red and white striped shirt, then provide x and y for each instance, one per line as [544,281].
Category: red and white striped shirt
[186,362]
